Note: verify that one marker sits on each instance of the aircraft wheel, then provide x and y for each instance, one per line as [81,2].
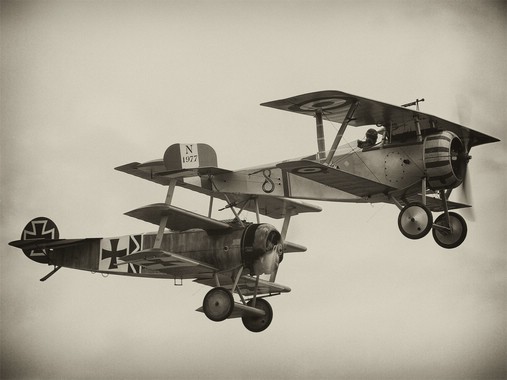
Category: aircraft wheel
[452,235]
[415,220]
[218,304]
[258,324]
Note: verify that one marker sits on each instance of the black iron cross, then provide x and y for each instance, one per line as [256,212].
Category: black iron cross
[113,253]
[41,228]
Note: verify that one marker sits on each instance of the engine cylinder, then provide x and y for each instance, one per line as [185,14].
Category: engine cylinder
[444,160]
[261,248]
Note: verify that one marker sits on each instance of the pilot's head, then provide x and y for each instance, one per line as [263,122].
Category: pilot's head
[371,135]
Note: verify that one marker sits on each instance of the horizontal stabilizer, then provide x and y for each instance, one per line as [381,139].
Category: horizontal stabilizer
[44,243]
[177,219]
[155,171]
[336,178]
[180,161]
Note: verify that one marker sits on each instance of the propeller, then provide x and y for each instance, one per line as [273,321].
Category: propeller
[464,109]
[465,194]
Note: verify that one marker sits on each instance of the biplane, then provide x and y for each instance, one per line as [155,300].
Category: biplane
[410,159]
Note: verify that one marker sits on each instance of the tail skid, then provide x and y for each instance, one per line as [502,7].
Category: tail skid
[50,273]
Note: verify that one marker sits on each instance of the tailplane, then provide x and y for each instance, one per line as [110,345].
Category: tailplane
[35,237]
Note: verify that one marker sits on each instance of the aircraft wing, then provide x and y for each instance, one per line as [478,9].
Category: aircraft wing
[246,284]
[433,204]
[184,267]
[168,263]
[338,179]
[156,171]
[335,105]
[274,207]
[178,219]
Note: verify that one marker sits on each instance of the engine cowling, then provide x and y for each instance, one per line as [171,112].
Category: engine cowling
[261,248]
[445,160]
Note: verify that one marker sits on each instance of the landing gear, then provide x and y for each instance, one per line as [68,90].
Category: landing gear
[218,304]
[415,220]
[255,323]
[256,313]
[449,230]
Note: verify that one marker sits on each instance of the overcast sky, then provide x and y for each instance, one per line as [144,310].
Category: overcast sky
[87,86]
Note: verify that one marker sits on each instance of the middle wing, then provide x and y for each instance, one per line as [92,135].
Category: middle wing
[178,219]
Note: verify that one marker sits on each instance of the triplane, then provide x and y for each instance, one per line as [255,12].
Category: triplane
[415,164]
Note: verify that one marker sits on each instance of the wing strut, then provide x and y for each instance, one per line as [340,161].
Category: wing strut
[321,141]
[341,131]
[229,203]
[163,220]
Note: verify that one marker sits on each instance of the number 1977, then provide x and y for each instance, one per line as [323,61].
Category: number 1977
[187,159]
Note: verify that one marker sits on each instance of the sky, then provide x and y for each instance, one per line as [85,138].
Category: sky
[87,86]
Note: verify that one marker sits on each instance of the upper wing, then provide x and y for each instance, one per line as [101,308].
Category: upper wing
[335,105]
[178,219]
[338,179]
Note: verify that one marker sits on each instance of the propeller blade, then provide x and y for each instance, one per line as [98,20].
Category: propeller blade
[464,107]
[467,195]
[464,195]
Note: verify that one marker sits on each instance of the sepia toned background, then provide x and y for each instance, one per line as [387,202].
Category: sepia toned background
[89,85]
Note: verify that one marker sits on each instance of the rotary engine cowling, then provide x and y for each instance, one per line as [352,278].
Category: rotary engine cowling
[261,248]
[445,160]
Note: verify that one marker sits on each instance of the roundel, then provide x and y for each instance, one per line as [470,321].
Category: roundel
[325,104]
[309,170]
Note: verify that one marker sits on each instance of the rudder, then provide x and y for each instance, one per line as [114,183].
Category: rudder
[37,229]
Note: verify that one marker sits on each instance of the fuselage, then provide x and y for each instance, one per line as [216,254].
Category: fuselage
[103,255]
[397,166]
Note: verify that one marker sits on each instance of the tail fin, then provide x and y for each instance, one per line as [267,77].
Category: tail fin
[37,232]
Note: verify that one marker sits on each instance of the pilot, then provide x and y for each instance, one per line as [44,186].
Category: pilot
[370,139]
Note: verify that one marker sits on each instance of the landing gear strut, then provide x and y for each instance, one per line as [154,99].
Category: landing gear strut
[450,229]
